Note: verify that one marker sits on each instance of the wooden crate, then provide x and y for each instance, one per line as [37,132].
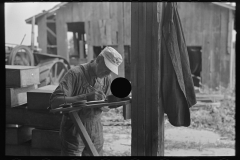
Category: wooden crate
[39,98]
[21,76]
[44,152]
[17,134]
[17,96]
[46,139]
[18,150]
[33,118]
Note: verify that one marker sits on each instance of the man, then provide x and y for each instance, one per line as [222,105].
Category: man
[90,81]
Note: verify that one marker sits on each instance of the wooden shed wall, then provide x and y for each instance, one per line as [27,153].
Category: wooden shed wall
[42,33]
[101,24]
[205,24]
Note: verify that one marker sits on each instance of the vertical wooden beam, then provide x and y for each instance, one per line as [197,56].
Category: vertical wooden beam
[159,138]
[32,39]
[61,31]
[145,70]
[42,34]
[120,38]
[83,133]
[230,49]
[134,74]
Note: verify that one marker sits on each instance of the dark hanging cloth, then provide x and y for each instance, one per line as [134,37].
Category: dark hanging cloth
[177,85]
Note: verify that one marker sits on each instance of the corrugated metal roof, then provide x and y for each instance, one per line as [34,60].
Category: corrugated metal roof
[29,20]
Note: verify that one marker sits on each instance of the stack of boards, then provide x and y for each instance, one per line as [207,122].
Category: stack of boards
[31,130]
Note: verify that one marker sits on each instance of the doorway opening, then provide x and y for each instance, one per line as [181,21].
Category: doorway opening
[195,60]
[77,43]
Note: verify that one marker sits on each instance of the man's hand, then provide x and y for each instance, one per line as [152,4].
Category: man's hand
[96,95]
[105,109]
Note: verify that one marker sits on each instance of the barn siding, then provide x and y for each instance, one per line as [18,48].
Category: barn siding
[61,27]
[207,26]
[204,24]
[42,34]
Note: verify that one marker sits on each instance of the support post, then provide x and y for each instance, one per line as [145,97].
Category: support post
[32,39]
[146,109]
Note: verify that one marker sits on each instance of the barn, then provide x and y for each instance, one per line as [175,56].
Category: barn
[207,27]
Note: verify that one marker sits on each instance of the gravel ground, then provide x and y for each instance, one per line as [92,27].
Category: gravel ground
[179,141]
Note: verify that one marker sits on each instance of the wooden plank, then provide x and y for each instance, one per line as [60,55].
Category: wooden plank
[46,139]
[134,76]
[141,81]
[17,96]
[120,38]
[88,32]
[156,81]
[105,10]
[51,21]
[87,10]
[102,29]
[61,27]
[231,48]
[148,78]
[51,32]
[44,152]
[205,75]
[96,10]
[225,57]
[96,33]
[83,133]
[67,12]
[145,125]
[18,150]
[90,53]
[39,98]
[108,32]
[17,134]
[42,33]
[77,12]
[32,36]
[21,76]
[114,22]
[81,49]
[36,119]
[216,46]
[127,23]
[127,111]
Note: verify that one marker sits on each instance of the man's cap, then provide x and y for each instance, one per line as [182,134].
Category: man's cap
[112,58]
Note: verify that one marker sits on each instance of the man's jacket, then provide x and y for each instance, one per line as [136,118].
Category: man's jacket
[177,86]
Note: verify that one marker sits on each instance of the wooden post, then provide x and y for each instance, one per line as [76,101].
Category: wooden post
[145,78]
[32,40]
[83,133]
[120,38]
[230,46]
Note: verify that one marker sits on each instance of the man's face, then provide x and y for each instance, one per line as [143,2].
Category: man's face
[101,69]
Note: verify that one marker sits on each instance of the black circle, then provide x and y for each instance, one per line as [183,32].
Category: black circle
[121,87]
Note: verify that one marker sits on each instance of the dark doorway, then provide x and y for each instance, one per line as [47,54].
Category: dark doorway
[78,40]
[97,50]
[195,60]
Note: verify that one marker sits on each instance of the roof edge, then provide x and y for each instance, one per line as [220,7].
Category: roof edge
[224,5]
[29,20]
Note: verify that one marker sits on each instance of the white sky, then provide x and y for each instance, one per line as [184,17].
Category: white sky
[15,16]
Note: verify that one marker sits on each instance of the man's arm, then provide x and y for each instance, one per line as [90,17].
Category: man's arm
[60,100]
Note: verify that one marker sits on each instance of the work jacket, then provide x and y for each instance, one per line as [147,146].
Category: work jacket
[177,87]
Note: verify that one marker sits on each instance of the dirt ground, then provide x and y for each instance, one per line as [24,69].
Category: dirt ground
[179,141]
